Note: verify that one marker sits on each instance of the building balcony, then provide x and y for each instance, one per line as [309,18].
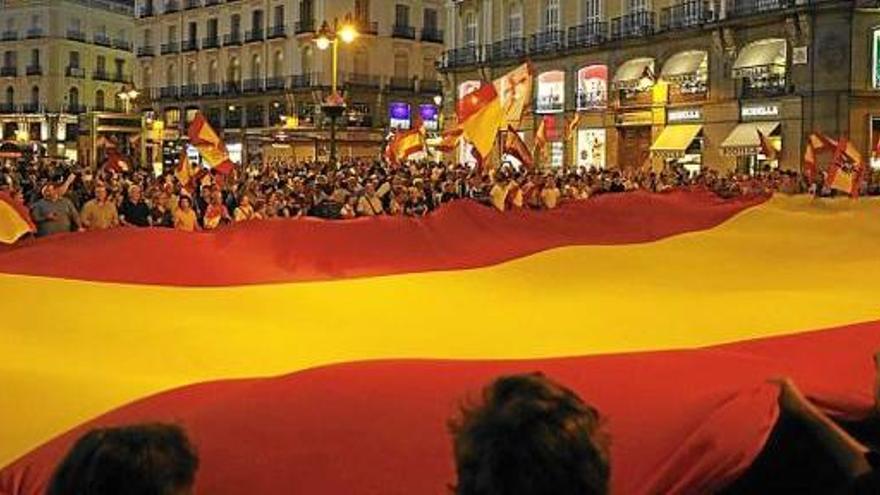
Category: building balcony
[75,108]
[275,83]
[693,93]
[465,56]
[432,35]
[169,48]
[304,26]
[122,44]
[232,87]
[742,8]
[546,42]
[101,39]
[253,85]
[9,35]
[511,49]
[8,71]
[210,89]
[146,51]
[75,35]
[123,78]
[192,4]
[590,33]
[100,75]
[367,27]
[769,87]
[189,45]
[146,11]
[189,91]
[77,72]
[277,31]
[687,14]
[255,119]
[34,33]
[31,108]
[171,6]
[232,39]
[634,25]
[210,42]
[33,70]
[404,84]
[7,108]
[633,98]
[430,86]
[363,80]
[301,81]
[168,92]
[403,31]
[255,35]
[211,3]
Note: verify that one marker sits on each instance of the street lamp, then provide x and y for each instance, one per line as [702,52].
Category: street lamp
[127,96]
[334,104]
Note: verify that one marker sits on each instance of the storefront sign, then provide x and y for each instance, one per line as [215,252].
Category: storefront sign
[759,111]
[592,87]
[430,116]
[551,92]
[591,148]
[398,115]
[684,115]
[635,118]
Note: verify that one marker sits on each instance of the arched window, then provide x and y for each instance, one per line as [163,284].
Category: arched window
[191,72]
[256,66]
[99,99]
[306,60]
[171,75]
[212,72]
[278,64]
[35,95]
[233,73]
[147,77]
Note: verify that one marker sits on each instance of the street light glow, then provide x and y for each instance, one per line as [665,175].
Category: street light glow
[323,42]
[348,33]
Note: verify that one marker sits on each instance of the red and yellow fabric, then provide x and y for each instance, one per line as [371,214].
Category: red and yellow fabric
[516,147]
[185,172]
[480,116]
[515,92]
[210,146]
[845,172]
[449,140]
[404,145]
[307,321]
[15,220]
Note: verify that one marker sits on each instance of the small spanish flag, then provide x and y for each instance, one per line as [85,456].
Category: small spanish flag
[15,221]
[209,144]
[514,146]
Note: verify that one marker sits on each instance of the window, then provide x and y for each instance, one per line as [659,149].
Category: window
[429,22]
[515,21]
[120,68]
[362,10]
[635,6]
[35,57]
[35,24]
[233,73]
[99,99]
[212,72]
[306,10]
[470,29]
[171,75]
[191,72]
[75,25]
[429,69]
[306,60]
[212,28]
[35,95]
[101,64]
[193,31]
[148,37]
[147,81]
[256,66]
[401,15]
[235,24]
[122,35]
[9,59]
[401,65]
[875,58]
[278,64]
[592,11]
[73,97]
[73,60]
[279,15]
[551,15]
[10,95]
[257,20]
[172,34]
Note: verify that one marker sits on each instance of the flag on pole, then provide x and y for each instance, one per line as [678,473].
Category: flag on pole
[449,140]
[815,143]
[405,144]
[115,161]
[515,92]
[210,146]
[767,147]
[480,117]
[845,172]
[15,221]
[185,172]
[516,147]
[571,129]
[540,139]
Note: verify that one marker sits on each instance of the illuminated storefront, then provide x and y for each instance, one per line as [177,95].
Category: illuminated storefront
[591,92]
[633,83]
[744,141]
[550,94]
[681,141]
[399,115]
[591,148]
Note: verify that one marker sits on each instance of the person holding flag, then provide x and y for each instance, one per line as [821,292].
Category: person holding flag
[211,148]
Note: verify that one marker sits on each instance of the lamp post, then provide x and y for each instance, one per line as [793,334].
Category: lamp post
[127,96]
[334,104]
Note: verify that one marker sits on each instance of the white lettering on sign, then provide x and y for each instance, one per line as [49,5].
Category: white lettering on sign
[684,115]
[760,111]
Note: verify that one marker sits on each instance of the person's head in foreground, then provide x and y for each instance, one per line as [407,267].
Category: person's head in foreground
[148,459]
[530,436]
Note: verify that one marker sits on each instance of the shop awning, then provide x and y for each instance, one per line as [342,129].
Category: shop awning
[683,64]
[674,140]
[760,55]
[743,139]
[631,72]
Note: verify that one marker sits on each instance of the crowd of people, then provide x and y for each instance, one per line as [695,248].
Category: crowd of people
[527,436]
[64,197]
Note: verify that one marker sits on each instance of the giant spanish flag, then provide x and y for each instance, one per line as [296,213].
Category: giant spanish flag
[306,356]
[15,220]
[209,144]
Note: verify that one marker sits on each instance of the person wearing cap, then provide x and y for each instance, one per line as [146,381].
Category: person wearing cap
[54,214]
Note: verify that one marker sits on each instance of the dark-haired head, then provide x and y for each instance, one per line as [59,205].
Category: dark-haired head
[530,436]
[149,459]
